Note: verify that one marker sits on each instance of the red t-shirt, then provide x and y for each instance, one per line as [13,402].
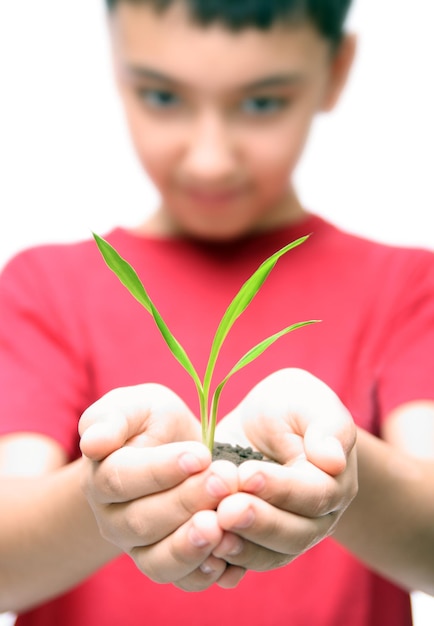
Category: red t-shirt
[69,332]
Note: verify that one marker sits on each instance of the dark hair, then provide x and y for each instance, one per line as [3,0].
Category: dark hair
[327,16]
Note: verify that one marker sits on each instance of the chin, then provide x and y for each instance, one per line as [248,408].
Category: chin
[223,234]
[219,229]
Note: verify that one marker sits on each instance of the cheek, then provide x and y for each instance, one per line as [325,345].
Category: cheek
[155,144]
[156,151]
[152,159]
[279,151]
[274,159]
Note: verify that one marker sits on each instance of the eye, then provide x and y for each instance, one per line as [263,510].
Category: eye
[159,98]
[262,105]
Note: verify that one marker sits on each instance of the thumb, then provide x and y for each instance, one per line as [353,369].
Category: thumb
[141,415]
[325,451]
[291,415]
[101,438]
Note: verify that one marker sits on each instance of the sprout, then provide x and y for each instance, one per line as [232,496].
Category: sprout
[208,406]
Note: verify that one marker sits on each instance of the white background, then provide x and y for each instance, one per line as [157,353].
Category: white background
[66,166]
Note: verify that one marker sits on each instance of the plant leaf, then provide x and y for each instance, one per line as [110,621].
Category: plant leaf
[257,350]
[241,301]
[250,356]
[129,278]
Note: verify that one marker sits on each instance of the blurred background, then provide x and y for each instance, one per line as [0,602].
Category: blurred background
[66,166]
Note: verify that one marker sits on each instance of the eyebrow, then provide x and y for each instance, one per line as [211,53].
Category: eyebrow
[275,80]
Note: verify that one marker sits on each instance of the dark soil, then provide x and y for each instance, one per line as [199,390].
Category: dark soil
[236,454]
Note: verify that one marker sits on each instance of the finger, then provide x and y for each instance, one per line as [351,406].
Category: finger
[329,445]
[181,554]
[145,521]
[301,488]
[212,570]
[280,531]
[292,414]
[203,576]
[146,415]
[130,473]
[247,555]
[231,577]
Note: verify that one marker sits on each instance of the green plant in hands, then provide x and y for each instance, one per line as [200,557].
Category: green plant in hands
[208,406]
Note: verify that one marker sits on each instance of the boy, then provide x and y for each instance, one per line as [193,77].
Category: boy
[219,100]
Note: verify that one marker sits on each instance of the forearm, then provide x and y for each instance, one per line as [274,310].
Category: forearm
[390,523]
[49,540]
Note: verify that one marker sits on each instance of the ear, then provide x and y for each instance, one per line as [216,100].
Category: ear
[340,66]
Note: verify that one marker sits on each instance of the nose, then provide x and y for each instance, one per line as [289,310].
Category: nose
[210,154]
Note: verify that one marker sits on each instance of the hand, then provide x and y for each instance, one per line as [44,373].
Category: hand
[280,511]
[152,488]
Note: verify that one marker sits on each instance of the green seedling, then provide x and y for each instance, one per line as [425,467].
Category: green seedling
[208,406]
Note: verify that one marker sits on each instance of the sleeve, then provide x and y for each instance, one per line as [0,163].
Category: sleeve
[407,370]
[43,376]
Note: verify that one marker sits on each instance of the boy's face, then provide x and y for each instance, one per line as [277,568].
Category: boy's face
[219,119]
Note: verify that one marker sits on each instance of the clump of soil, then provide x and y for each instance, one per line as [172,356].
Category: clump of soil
[236,454]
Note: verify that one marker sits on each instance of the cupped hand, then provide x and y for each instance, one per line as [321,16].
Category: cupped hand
[141,416]
[157,496]
[152,488]
[281,510]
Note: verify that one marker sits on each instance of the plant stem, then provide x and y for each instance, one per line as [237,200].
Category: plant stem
[203,408]
[213,412]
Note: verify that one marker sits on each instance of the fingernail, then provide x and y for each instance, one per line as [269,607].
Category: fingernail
[236,548]
[232,545]
[205,568]
[216,487]
[246,520]
[190,463]
[255,483]
[196,538]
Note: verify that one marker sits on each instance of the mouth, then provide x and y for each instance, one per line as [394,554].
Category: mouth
[213,197]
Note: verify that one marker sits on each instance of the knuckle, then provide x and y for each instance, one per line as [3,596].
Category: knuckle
[156,477]
[201,578]
[310,537]
[187,503]
[154,572]
[334,495]
[163,569]
[109,481]
[151,568]
[108,524]
[324,501]
[306,533]
[326,504]
[135,525]
[95,484]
